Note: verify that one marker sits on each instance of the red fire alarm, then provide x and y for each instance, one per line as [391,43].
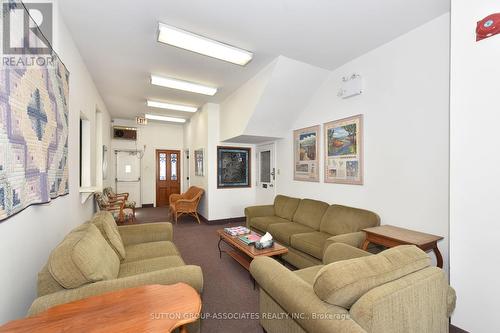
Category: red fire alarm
[488,27]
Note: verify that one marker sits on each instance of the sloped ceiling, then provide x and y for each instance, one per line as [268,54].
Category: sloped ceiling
[267,105]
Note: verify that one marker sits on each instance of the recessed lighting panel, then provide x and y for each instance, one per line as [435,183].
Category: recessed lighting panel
[164,118]
[203,45]
[169,82]
[170,106]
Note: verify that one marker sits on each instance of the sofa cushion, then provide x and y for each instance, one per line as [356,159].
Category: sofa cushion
[310,212]
[263,222]
[106,224]
[311,243]
[149,265]
[82,257]
[343,220]
[342,283]
[285,207]
[308,274]
[282,232]
[150,250]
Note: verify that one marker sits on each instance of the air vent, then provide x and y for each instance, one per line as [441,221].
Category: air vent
[125,133]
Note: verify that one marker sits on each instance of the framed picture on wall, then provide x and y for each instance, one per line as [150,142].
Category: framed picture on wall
[199,162]
[344,151]
[233,167]
[306,154]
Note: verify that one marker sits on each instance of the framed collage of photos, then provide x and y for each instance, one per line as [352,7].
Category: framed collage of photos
[199,162]
[306,151]
[344,151]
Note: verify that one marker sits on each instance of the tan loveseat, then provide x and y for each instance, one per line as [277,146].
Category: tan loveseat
[307,227]
[99,256]
[395,291]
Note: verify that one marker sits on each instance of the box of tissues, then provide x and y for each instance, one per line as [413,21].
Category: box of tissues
[265,242]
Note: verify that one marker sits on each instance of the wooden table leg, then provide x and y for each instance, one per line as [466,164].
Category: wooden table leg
[439,258]
[365,244]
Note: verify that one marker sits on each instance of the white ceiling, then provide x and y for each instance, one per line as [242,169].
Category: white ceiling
[117,40]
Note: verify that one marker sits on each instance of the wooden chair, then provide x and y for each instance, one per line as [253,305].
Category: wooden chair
[112,196]
[186,203]
[115,207]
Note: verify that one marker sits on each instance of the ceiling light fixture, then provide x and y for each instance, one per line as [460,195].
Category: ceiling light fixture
[164,118]
[169,82]
[203,45]
[170,106]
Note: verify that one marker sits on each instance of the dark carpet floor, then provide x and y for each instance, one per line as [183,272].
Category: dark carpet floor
[227,287]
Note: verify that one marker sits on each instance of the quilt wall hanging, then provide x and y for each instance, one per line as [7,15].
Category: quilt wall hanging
[33,135]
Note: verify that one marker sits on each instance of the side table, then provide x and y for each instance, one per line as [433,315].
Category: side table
[151,308]
[390,236]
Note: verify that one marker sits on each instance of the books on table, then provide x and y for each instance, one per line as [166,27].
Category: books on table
[250,238]
[237,231]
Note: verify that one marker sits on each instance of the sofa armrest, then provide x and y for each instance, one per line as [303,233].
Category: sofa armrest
[340,251]
[188,274]
[256,211]
[355,239]
[297,298]
[145,233]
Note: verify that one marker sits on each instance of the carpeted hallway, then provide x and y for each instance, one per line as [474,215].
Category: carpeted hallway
[228,289]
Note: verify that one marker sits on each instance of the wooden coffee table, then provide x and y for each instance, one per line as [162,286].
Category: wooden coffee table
[152,308]
[390,236]
[244,254]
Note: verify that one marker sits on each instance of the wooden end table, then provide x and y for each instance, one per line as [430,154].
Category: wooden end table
[152,308]
[390,236]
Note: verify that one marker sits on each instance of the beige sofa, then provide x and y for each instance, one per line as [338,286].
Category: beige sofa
[307,227]
[100,256]
[395,291]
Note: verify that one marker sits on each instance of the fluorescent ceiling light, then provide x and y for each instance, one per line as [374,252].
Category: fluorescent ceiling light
[182,85]
[170,106]
[164,118]
[199,44]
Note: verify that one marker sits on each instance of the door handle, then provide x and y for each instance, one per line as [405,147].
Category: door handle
[273,173]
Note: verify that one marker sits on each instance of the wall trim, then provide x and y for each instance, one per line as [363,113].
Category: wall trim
[222,221]
[149,205]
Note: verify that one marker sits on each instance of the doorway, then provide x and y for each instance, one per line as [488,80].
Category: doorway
[128,174]
[266,175]
[168,178]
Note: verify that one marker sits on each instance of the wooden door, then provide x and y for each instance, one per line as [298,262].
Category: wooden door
[168,177]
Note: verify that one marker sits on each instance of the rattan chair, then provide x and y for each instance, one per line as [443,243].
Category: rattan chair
[186,203]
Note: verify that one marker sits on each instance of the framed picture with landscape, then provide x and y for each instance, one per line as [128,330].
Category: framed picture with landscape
[344,151]
[306,154]
[233,167]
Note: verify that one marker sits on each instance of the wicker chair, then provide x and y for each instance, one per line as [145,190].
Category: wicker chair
[112,196]
[186,203]
[115,207]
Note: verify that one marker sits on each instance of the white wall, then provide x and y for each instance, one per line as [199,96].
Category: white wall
[154,135]
[27,238]
[196,137]
[405,108]
[474,190]
[203,131]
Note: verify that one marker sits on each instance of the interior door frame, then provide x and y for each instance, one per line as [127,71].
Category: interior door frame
[258,149]
[157,170]
[140,170]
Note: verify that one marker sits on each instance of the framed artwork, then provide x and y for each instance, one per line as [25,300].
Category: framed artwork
[306,154]
[233,167]
[344,151]
[198,162]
